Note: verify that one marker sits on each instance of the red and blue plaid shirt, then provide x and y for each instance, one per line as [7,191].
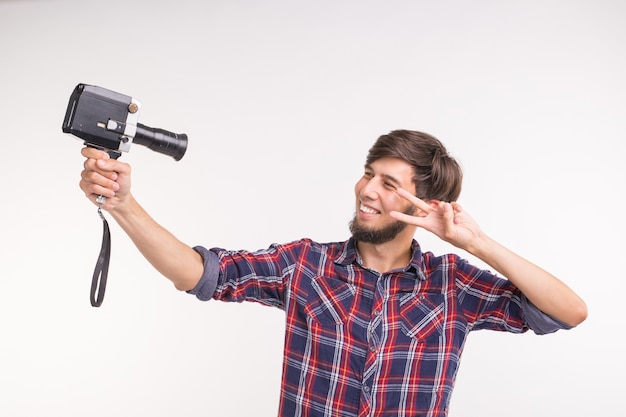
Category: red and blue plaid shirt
[364,343]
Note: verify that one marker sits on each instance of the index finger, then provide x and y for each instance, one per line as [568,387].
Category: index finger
[417,202]
[89,152]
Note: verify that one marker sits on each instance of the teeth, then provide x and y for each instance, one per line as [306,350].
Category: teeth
[367,210]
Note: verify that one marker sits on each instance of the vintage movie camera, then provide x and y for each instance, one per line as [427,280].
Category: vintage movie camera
[108,120]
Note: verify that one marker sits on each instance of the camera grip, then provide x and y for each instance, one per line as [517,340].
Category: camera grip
[113,154]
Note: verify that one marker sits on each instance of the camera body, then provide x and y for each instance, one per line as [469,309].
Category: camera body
[108,120]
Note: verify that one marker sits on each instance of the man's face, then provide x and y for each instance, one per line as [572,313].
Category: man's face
[376,196]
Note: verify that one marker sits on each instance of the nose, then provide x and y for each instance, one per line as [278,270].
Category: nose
[368,189]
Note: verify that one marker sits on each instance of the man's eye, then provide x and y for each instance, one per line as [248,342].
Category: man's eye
[390,185]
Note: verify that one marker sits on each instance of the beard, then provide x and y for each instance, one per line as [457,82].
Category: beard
[384,234]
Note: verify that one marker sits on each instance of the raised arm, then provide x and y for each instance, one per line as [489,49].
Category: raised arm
[451,223]
[111,178]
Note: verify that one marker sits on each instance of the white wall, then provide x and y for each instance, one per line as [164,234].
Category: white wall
[281,100]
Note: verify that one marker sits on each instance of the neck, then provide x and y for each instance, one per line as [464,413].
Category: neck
[386,256]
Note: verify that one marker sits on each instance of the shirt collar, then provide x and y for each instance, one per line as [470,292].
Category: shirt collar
[349,255]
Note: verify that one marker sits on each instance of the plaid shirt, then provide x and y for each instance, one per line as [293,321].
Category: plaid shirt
[359,342]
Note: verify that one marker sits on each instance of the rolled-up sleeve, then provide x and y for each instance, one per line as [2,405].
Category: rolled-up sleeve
[205,288]
[538,321]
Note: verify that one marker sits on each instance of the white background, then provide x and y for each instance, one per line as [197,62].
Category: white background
[281,101]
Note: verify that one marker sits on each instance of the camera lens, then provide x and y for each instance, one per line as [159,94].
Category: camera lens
[162,141]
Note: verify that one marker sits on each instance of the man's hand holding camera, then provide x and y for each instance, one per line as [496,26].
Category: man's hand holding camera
[105,176]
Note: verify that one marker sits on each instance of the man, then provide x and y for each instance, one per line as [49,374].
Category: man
[374,326]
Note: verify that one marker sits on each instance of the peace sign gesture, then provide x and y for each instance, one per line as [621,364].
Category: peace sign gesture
[448,221]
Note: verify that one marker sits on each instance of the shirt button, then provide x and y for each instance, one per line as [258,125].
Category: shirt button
[366,389]
[377,312]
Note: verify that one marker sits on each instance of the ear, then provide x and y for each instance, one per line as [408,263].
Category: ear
[433,203]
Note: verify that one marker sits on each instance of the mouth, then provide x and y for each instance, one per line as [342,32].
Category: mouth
[367,210]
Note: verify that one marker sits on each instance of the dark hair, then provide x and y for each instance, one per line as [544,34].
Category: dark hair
[436,174]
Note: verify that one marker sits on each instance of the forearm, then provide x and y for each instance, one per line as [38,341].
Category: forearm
[543,289]
[175,260]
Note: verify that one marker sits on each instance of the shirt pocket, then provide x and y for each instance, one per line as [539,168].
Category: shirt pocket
[330,301]
[422,316]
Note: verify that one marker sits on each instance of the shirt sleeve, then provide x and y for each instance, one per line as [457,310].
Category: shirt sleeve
[538,321]
[205,288]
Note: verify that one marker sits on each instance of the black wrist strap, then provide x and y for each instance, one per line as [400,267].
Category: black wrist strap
[99,279]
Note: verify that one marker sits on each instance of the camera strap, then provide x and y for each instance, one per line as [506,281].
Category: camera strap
[99,279]
[101,271]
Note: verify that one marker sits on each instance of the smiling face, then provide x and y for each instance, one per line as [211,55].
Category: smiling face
[376,196]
